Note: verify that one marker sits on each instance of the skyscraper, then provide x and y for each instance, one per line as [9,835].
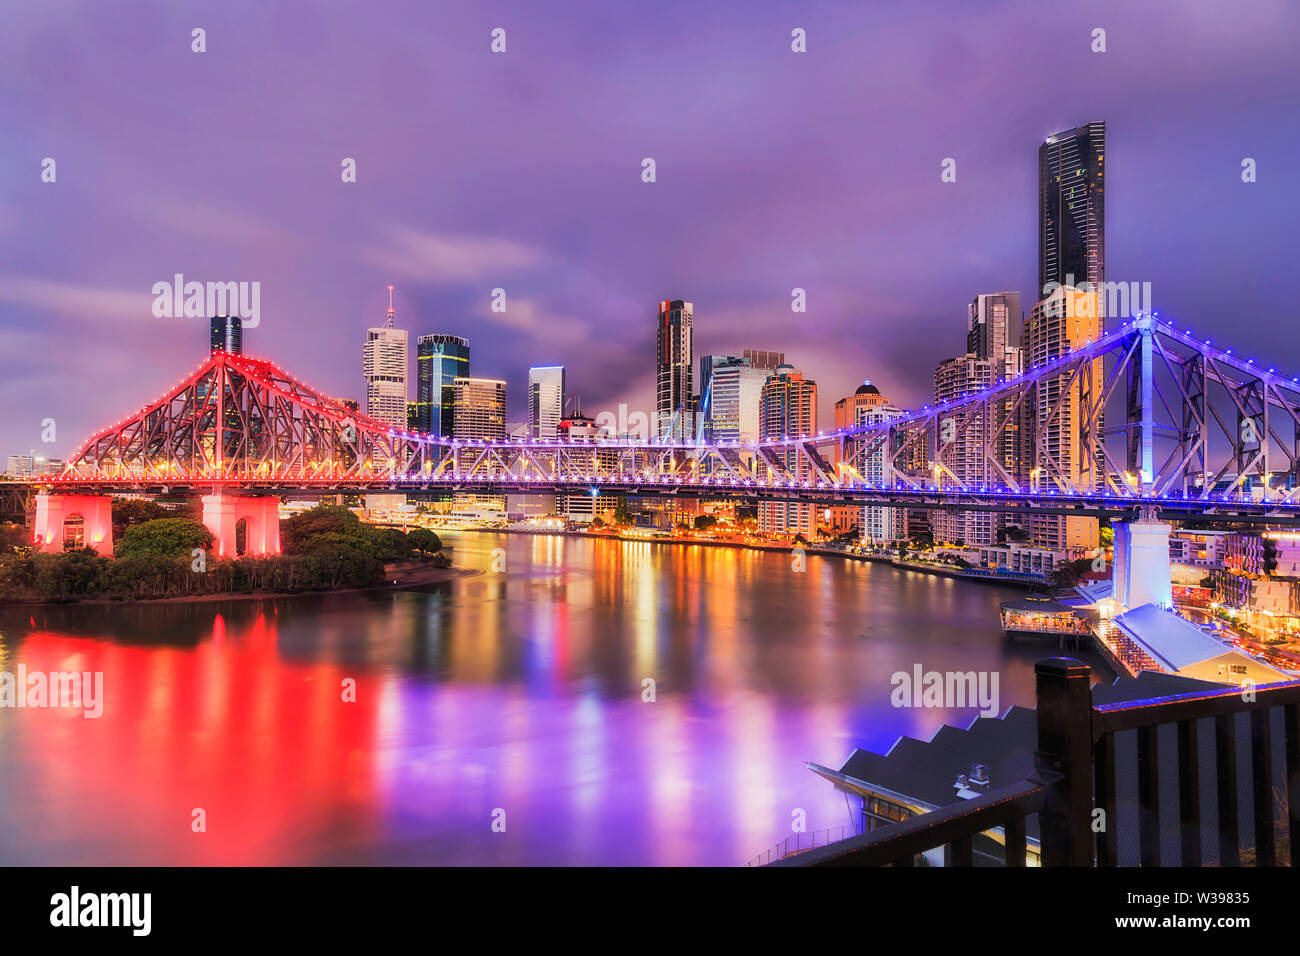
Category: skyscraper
[730,392]
[674,350]
[480,408]
[227,334]
[848,409]
[1072,208]
[788,408]
[954,379]
[760,358]
[993,325]
[1065,320]
[440,360]
[384,364]
[545,400]
[879,525]
[848,413]
[992,354]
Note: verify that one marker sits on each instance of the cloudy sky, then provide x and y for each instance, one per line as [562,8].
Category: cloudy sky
[522,170]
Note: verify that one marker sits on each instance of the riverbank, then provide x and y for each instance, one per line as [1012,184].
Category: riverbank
[399,577]
[985,577]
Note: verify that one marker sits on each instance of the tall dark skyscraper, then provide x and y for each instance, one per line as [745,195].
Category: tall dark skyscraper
[1072,208]
[674,348]
[439,361]
[227,333]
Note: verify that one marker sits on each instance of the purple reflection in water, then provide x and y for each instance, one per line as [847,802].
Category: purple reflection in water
[519,691]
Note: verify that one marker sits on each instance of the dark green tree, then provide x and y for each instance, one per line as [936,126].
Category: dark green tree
[164,538]
[621,517]
[324,518]
[385,544]
[424,541]
[129,512]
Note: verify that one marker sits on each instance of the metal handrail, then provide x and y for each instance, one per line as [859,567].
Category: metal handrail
[899,842]
[802,843]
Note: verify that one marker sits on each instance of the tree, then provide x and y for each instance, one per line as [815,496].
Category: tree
[597,522]
[324,518]
[621,516]
[129,512]
[705,522]
[164,538]
[13,537]
[385,544]
[424,541]
[1070,573]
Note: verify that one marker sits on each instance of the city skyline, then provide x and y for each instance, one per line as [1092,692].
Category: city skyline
[859,228]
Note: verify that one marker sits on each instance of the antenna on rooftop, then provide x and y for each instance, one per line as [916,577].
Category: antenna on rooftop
[389,323]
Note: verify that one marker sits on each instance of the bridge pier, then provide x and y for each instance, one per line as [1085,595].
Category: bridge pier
[95,530]
[1140,573]
[261,514]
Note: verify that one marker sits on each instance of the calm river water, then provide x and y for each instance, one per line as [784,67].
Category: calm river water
[518,690]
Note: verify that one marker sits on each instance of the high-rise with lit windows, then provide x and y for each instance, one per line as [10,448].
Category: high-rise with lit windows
[226,334]
[674,350]
[440,360]
[788,409]
[480,408]
[1072,208]
[545,400]
[384,364]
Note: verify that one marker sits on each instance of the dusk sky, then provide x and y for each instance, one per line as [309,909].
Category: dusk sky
[522,170]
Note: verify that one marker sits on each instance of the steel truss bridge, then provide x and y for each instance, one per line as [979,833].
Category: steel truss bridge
[1147,415]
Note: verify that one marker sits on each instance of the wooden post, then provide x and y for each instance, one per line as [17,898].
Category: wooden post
[1064,761]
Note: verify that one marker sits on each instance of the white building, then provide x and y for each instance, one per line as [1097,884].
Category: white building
[879,525]
[730,399]
[954,380]
[1020,558]
[384,364]
[20,466]
[585,508]
[545,400]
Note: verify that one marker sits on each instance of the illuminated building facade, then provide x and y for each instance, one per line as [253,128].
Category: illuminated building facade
[226,333]
[545,400]
[480,408]
[384,364]
[1065,320]
[674,350]
[1072,208]
[788,406]
[440,360]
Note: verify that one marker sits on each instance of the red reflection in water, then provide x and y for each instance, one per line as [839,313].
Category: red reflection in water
[266,747]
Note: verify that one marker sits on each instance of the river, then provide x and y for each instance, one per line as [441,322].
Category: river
[498,719]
